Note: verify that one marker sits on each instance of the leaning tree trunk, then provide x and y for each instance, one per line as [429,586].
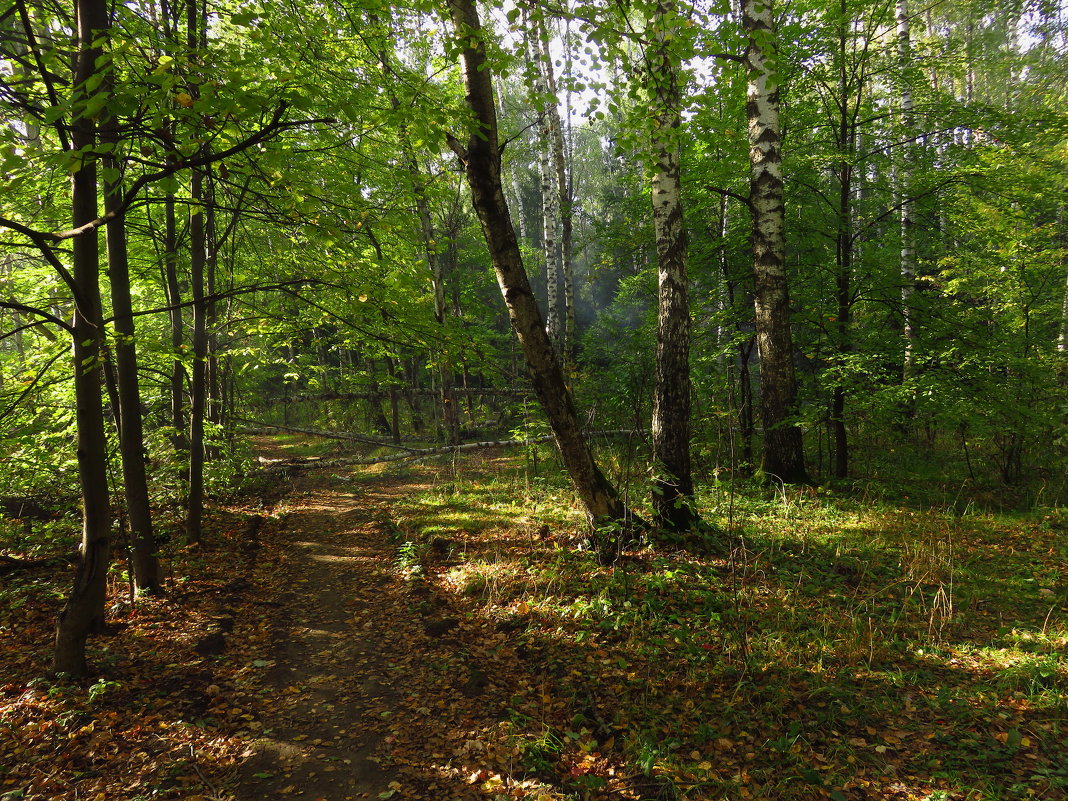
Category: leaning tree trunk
[481,157]
[673,503]
[784,456]
[83,612]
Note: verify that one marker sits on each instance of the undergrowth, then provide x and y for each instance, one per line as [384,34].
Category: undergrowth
[848,643]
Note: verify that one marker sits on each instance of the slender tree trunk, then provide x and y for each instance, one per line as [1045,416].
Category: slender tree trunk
[131,438]
[432,248]
[561,202]
[198,259]
[673,503]
[481,157]
[211,268]
[903,189]
[746,424]
[177,326]
[1062,339]
[411,376]
[198,384]
[549,196]
[783,455]
[565,179]
[394,399]
[83,612]
[377,418]
[846,141]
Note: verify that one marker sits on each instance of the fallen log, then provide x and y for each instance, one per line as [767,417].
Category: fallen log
[414,454]
[10,564]
[25,508]
[263,428]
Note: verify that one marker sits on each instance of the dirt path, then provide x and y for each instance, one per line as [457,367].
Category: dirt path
[327,677]
[367,685]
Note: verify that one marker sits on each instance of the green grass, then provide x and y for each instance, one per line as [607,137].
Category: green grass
[848,642]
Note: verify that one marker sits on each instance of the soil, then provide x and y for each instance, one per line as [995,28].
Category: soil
[368,683]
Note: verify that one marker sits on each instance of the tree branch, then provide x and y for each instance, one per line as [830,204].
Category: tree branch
[22,307]
[734,195]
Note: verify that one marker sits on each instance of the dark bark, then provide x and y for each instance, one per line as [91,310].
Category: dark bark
[198,384]
[198,260]
[83,612]
[131,437]
[394,398]
[177,326]
[481,157]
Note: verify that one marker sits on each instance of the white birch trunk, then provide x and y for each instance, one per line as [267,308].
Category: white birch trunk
[672,482]
[783,455]
[562,186]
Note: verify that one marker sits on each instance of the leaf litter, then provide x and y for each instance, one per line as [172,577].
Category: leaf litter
[401,636]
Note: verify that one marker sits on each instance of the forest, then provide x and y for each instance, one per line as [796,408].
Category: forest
[529,399]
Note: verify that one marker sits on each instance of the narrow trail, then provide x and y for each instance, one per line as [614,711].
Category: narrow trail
[369,685]
[328,674]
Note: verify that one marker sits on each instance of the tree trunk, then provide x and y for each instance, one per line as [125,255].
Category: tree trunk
[198,384]
[1062,339]
[83,612]
[846,142]
[394,398]
[432,248]
[198,257]
[903,190]
[549,191]
[673,503]
[131,439]
[177,326]
[783,455]
[211,362]
[481,157]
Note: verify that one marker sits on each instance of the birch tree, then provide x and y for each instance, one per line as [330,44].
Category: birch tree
[673,502]
[480,155]
[783,453]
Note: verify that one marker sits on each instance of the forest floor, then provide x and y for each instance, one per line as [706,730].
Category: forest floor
[436,631]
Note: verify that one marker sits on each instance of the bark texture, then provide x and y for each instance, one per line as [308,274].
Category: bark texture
[131,440]
[673,505]
[549,192]
[783,454]
[83,612]
[481,157]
